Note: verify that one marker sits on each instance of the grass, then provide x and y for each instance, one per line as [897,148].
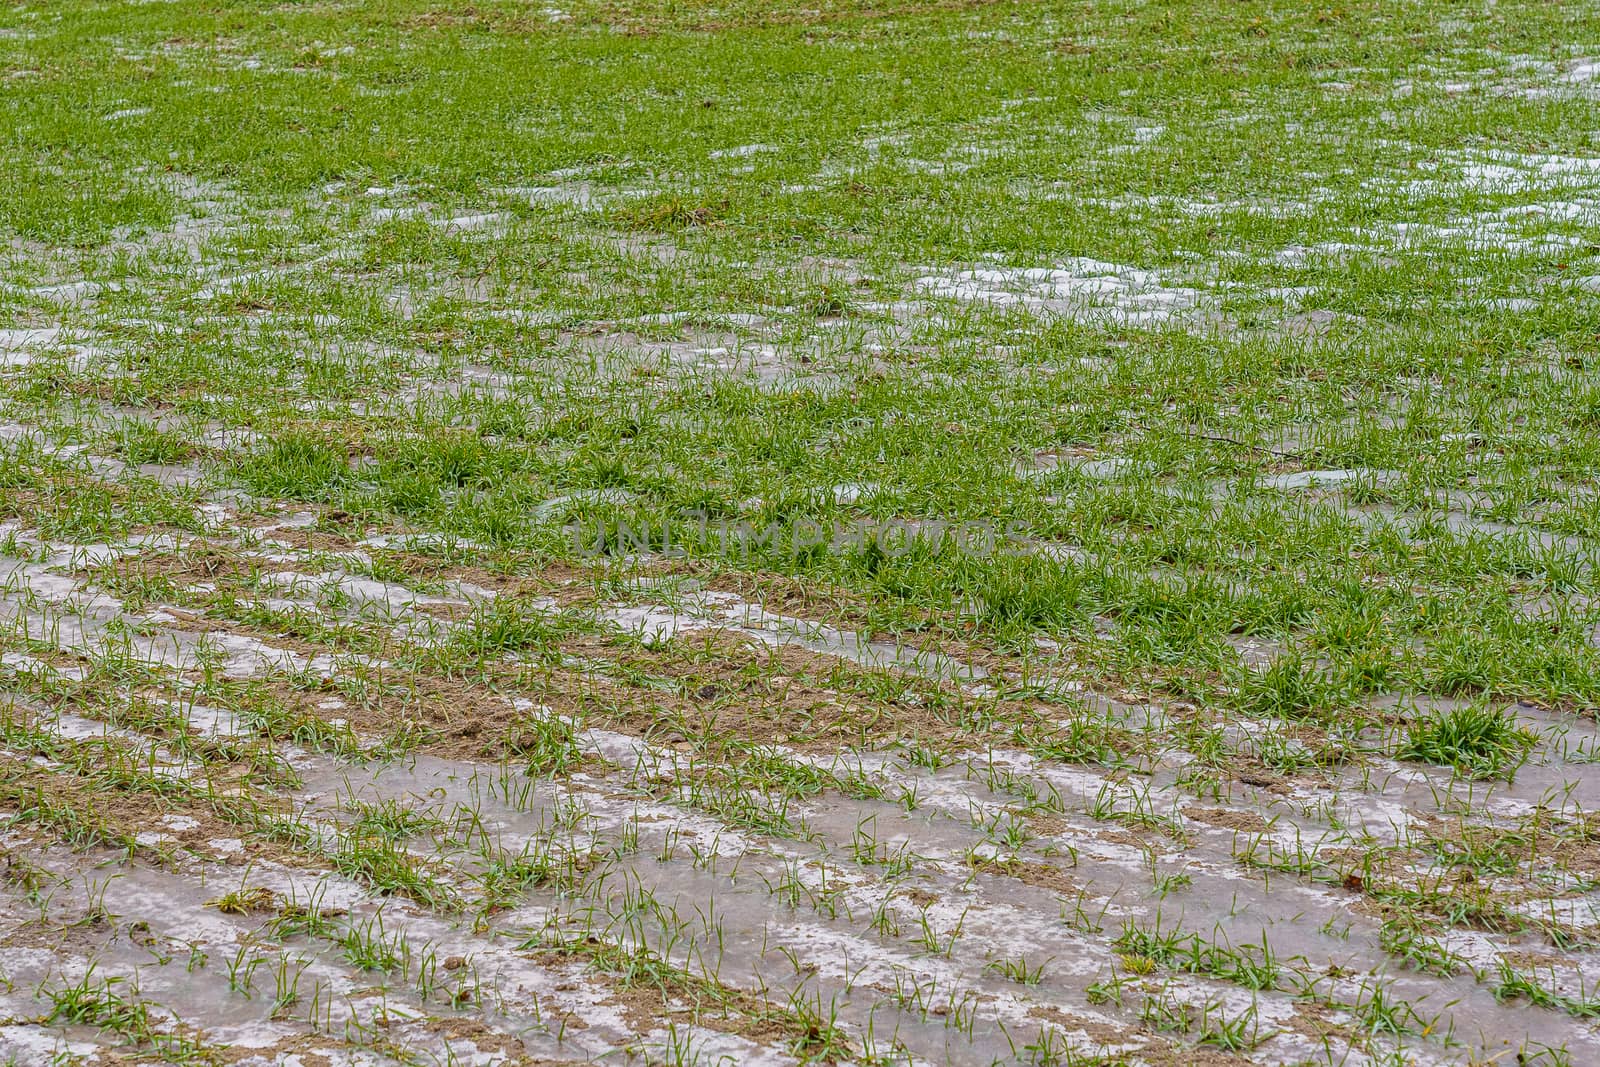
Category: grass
[110,1006]
[798,517]
[1473,739]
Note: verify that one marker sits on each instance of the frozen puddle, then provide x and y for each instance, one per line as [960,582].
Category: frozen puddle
[17,347]
[727,611]
[1084,289]
[1327,478]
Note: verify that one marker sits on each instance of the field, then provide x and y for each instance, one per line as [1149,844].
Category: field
[892,532]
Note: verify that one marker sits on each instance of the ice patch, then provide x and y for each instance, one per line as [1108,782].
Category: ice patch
[30,1043]
[16,345]
[850,492]
[1506,172]
[1320,479]
[743,151]
[69,292]
[1081,288]
[557,505]
[468,223]
[579,194]
[1582,72]
[1105,470]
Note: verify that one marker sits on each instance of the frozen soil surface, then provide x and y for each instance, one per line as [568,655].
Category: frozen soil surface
[937,533]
